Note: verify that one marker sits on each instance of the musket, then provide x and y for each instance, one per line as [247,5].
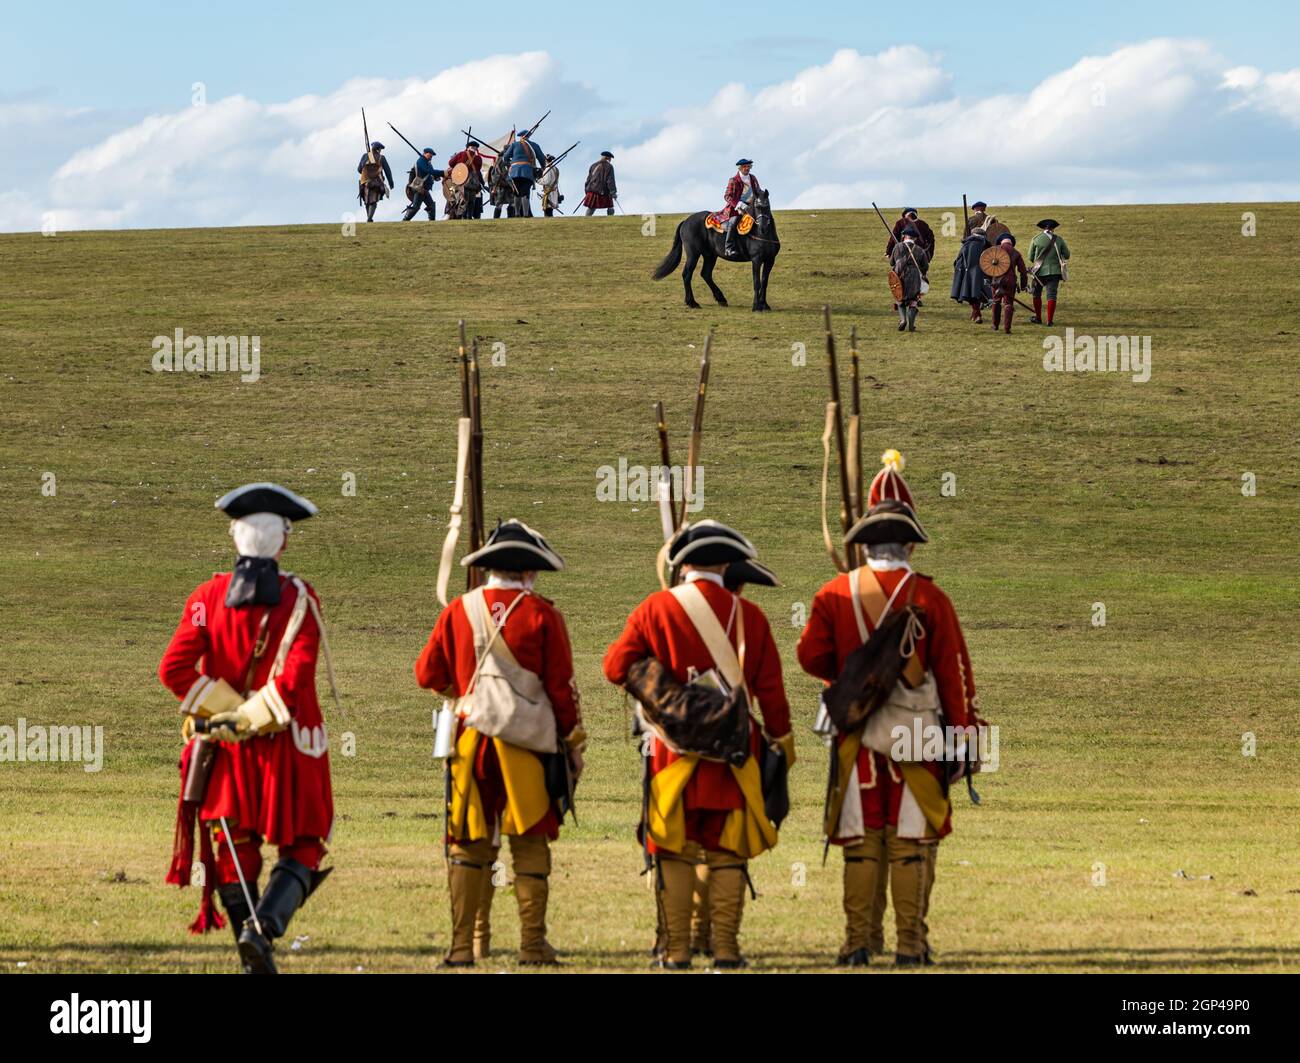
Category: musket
[408,143]
[365,129]
[558,159]
[896,239]
[857,504]
[470,136]
[464,473]
[697,426]
[668,515]
[832,366]
[533,128]
[476,525]
[965,218]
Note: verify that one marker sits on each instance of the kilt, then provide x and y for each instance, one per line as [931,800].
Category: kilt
[598,200]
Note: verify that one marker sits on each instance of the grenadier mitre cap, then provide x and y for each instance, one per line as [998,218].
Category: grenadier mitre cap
[514,547]
[751,571]
[891,513]
[1049,223]
[889,482]
[708,542]
[265,498]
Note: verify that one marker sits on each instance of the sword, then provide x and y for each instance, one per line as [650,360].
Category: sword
[239,870]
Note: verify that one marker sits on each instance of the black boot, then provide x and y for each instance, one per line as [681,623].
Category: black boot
[856,958]
[729,248]
[237,913]
[923,960]
[290,884]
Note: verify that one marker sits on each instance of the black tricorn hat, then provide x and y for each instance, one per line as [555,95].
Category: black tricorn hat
[741,572]
[888,521]
[709,543]
[265,498]
[514,547]
[606,154]
[1049,223]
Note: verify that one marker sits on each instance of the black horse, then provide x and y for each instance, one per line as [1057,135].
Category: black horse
[758,247]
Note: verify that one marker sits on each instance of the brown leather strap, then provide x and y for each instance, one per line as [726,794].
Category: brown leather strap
[259,650]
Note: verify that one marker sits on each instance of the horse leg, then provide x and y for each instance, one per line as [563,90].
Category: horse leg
[758,285]
[706,271]
[767,272]
[688,270]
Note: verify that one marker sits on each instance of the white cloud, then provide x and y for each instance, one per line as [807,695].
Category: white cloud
[1159,120]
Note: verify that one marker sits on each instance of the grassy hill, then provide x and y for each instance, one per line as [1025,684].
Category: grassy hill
[1121,746]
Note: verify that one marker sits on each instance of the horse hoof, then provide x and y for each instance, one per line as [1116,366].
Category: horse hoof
[692,306]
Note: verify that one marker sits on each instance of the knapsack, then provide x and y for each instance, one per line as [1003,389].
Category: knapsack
[873,670]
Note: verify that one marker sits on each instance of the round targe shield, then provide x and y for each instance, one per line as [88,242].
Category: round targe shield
[994,262]
[896,286]
[745,224]
[459,173]
[995,230]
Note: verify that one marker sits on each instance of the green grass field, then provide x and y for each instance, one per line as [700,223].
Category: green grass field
[1121,746]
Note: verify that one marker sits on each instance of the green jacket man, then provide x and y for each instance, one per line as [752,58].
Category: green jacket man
[1048,255]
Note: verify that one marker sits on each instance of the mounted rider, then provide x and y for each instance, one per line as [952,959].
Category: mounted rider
[740,193]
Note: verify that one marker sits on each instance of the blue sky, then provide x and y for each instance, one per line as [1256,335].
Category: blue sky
[653,80]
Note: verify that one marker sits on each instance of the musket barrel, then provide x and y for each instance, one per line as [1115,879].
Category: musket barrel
[846,509]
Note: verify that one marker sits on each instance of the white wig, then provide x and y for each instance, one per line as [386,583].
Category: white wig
[260,534]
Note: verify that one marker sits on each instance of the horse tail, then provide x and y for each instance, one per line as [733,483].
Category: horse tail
[673,258]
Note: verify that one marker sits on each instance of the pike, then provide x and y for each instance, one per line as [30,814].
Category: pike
[365,129]
[834,430]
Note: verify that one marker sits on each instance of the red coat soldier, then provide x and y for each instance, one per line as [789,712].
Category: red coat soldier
[502,651]
[890,809]
[696,804]
[243,663]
